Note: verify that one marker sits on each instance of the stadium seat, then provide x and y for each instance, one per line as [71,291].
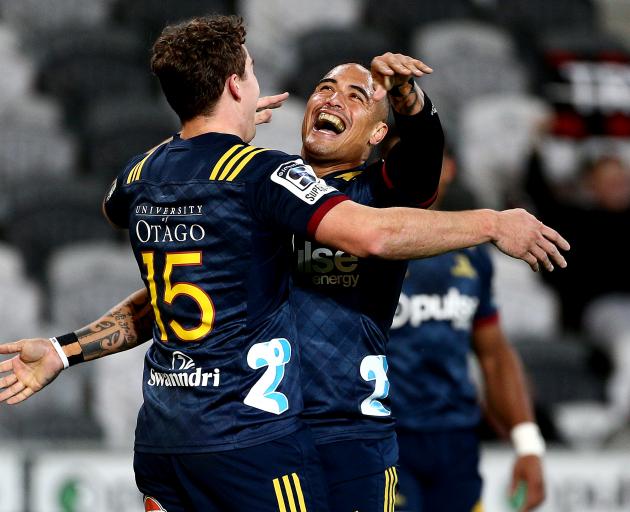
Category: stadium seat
[119,127]
[35,15]
[543,16]
[614,16]
[470,59]
[496,136]
[526,303]
[150,16]
[30,151]
[87,278]
[319,50]
[20,299]
[400,18]
[48,213]
[272,30]
[567,376]
[17,75]
[79,66]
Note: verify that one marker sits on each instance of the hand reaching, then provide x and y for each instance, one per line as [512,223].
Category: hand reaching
[266,103]
[392,69]
[523,236]
[35,365]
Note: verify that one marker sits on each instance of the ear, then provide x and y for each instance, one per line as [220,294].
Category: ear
[378,134]
[233,86]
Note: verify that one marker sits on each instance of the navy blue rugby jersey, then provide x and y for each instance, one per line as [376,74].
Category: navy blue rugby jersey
[444,298]
[210,221]
[344,305]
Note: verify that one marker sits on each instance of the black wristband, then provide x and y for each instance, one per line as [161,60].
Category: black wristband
[395,91]
[72,341]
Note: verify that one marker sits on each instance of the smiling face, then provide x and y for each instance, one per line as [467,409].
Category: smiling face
[342,121]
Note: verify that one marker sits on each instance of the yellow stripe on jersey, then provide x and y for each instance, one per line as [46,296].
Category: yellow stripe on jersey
[298,490]
[279,497]
[219,164]
[387,499]
[134,175]
[289,491]
[233,160]
[245,161]
[349,175]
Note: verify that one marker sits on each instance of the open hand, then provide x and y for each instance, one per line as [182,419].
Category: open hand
[521,235]
[393,69]
[35,365]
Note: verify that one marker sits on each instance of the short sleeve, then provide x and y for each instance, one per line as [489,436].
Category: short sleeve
[116,202]
[487,311]
[293,197]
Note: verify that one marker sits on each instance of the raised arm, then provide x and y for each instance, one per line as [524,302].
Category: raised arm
[407,233]
[37,362]
[412,166]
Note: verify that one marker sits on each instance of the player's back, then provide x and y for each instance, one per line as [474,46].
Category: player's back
[223,371]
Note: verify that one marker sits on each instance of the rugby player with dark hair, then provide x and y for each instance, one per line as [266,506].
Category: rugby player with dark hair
[210,219]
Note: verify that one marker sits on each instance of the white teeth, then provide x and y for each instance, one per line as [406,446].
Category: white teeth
[336,122]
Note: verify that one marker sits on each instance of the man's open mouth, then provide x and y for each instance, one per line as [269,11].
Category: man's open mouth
[330,123]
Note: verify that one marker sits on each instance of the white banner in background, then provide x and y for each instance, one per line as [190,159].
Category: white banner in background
[11,481]
[589,481]
[84,481]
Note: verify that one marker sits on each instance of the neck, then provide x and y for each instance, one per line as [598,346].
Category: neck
[325,167]
[220,121]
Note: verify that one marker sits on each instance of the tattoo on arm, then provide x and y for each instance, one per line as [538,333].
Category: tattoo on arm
[127,325]
[410,101]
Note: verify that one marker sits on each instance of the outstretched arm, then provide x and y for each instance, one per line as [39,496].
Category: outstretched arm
[36,362]
[407,233]
[509,403]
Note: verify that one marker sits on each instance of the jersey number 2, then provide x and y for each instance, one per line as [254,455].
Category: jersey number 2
[274,354]
[374,368]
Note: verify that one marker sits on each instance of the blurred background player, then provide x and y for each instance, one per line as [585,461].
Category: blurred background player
[446,312]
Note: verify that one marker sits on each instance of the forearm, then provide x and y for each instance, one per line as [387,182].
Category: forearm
[402,233]
[125,326]
[506,394]
[414,164]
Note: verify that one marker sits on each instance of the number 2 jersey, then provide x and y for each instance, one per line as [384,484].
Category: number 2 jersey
[443,299]
[209,222]
[344,305]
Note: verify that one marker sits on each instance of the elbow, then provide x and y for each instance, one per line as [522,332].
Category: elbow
[377,244]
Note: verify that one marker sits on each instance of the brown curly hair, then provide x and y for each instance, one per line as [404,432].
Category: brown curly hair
[192,60]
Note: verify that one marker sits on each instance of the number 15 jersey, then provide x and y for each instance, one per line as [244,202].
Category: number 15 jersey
[209,221]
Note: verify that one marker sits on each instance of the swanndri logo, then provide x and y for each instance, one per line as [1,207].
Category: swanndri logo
[185,362]
[182,378]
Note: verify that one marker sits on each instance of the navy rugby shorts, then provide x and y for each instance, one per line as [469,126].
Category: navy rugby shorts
[280,475]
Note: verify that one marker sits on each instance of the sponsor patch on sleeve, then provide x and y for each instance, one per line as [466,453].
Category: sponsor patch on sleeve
[300,179]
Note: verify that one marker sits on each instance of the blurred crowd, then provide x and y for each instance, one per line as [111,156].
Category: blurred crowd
[535,99]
